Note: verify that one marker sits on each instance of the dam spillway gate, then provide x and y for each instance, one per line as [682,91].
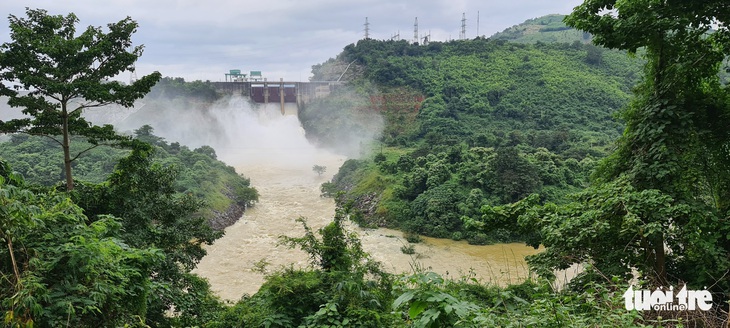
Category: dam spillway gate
[265,92]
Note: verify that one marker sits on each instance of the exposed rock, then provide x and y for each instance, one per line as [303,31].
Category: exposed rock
[364,210]
[222,220]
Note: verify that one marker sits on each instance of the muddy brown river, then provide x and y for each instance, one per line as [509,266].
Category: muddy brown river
[289,189]
[273,152]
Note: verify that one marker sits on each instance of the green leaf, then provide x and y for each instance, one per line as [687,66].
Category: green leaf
[417,307]
[405,297]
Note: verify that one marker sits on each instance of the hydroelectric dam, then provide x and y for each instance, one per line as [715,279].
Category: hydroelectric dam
[281,92]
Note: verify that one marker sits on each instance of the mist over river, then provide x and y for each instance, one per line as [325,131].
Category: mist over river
[271,150]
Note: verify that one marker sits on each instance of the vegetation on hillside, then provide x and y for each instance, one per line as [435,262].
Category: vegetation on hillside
[198,171]
[345,288]
[473,123]
[546,29]
[111,254]
[117,251]
[649,205]
[483,140]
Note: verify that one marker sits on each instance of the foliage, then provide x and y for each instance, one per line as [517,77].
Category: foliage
[546,29]
[673,142]
[500,121]
[475,122]
[432,194]
[429,306]
[412,237]
[198,172]
[61,269]
[40,161]
[334,252]
[176,88]
[408,250]
[319,169]
[341,296]
[515,176]
[346,288]
[142,194]
[427,300]
[63,74]
[654,210]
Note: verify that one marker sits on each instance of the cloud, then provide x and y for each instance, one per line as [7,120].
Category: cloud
[204,39]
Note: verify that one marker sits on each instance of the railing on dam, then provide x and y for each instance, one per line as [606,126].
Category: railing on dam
[279,92]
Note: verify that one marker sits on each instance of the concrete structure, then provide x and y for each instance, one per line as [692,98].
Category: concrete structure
[282,92]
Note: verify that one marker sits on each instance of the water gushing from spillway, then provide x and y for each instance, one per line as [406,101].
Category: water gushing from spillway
[271,149]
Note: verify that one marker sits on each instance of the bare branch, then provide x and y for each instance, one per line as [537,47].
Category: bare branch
[84,106]
[84,151]
[90,148]
[39,135]
[49,137]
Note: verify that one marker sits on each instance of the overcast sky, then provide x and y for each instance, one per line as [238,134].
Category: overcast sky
[203,39]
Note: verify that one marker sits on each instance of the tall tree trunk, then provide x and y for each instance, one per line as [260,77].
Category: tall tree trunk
[66,148]
[14,264]
[660,260]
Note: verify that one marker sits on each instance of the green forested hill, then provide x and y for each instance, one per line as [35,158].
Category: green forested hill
[471,123]
[548,29]
[199,172]
[225,192]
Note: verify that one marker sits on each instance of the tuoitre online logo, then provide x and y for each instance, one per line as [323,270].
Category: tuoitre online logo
[665,300]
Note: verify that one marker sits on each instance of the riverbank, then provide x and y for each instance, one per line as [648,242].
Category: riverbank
[289,189]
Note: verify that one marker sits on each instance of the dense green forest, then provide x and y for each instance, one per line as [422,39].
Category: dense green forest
[614,160]
[473,123]
[225,192]
[199,173]
[100,228]
[617,161]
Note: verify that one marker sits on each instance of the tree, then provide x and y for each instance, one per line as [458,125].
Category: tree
[319,169]
[142,193]
[63,73]
[661,198]
[658,205]
[59,269]
[514,176]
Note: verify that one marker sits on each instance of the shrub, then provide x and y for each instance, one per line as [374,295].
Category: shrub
[380,157]
[409,249]
[412,237]
[479,239]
